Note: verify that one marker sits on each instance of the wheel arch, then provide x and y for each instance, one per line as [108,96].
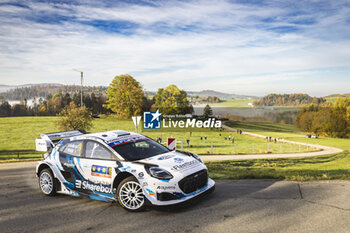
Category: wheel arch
[121,176]
[42,167]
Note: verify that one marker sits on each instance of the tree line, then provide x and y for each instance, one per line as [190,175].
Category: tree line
[326,119]
[288,100]
[41,90]
[52,105]
[124,97]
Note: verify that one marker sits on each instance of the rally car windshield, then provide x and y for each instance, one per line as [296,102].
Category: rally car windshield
[140,148]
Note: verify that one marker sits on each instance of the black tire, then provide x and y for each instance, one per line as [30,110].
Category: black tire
[129,200]
[47,182]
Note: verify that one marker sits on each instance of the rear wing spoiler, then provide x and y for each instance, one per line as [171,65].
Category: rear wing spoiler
[49,140]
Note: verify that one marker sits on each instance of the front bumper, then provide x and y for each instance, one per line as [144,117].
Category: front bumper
[162,198]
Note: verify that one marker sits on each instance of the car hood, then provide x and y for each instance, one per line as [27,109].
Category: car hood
[173,161]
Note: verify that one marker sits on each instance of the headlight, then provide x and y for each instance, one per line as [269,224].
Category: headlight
[158,173]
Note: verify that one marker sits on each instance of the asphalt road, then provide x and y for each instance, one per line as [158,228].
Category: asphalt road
[235,206]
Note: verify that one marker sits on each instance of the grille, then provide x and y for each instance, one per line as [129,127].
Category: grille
[194,182]
[166,196]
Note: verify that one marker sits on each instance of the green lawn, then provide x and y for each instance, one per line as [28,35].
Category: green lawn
[19,135]
[314,168]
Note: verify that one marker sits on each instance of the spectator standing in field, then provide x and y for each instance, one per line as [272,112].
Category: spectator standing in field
[205,139]
[201,139]
[188,142]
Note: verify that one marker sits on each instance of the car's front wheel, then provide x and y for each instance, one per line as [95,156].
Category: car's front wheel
[47,182]
[130,195]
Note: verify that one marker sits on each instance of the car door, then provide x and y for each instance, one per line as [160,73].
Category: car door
[69,157]
[98,164]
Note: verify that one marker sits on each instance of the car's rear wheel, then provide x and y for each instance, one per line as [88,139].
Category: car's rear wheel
[130,195]
[47,182]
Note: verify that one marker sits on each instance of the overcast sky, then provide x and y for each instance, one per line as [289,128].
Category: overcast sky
[243,47]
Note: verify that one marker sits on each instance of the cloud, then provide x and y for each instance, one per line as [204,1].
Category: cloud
[234,47]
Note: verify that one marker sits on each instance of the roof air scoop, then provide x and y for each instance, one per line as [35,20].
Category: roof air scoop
[120,133]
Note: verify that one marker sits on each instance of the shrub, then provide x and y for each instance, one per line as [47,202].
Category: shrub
[74,118]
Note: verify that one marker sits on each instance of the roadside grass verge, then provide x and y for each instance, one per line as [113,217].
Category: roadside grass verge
[328,167]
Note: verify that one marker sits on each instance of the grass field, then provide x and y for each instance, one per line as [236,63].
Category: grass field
[314,168]
[19,133]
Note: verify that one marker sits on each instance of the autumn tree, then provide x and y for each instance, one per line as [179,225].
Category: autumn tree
[327,119]
[74,118]
[341,118]
[304,121]
[125,96]
[172,100]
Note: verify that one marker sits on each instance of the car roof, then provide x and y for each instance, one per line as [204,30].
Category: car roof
[107,135]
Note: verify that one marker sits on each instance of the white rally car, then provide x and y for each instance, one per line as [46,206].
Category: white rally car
[119,165]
